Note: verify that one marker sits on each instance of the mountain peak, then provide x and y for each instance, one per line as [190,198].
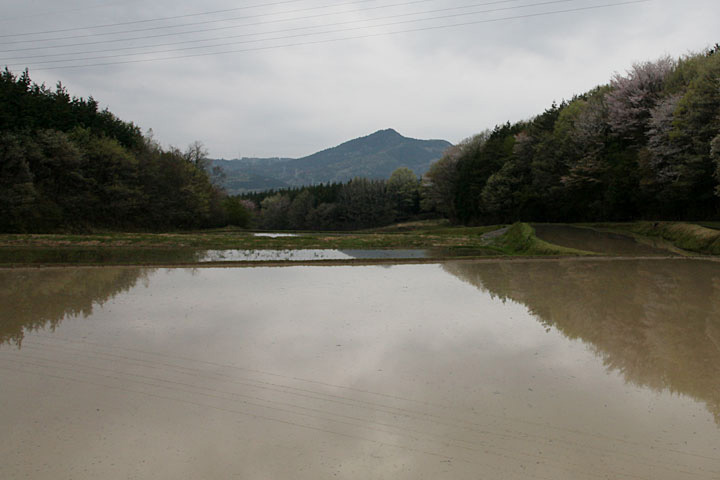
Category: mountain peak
[373,156]
[387,132]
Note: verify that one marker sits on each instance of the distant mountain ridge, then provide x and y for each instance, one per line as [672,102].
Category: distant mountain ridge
[374,156]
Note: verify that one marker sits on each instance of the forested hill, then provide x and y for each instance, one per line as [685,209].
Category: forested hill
[67,165]
[250,174]
[374,156]
[646,145]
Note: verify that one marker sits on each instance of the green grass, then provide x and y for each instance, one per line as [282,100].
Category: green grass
[688,236]
[444,240]
[713,225]
[437,227]
[520,239]
[445,237]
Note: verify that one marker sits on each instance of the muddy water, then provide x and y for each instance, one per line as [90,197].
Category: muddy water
[532,370]
[596,241]
[275,235]
[165,256]
[306,255]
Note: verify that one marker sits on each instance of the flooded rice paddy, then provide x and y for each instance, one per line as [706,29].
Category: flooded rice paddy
[577,370]
[274,235]
[170,256]
[599,242]
[306,255]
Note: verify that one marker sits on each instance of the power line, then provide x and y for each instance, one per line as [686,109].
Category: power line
[207,22]
[310,33]
[286,30]
[116,40]
[335,40]
[140,21]
[56,12]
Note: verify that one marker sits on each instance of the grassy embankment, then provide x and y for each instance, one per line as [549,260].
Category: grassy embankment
[442,239]
[703,239]
[402,236]
[186,248]
[520,239]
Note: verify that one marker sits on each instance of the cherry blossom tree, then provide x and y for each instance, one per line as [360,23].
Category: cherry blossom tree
[634,95]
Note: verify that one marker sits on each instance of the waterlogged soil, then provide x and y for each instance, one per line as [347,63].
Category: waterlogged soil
[596,241]
[98,256]
[442,237]
[566,370]
[188,256]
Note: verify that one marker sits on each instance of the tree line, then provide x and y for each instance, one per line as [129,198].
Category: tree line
[645,146]
[67,165]
[358,203]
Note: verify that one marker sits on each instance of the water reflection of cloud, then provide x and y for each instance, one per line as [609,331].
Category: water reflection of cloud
[305,255]
[348,371]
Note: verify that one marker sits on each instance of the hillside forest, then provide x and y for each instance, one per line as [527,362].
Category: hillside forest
[374,156]
[67,165]
[644,146]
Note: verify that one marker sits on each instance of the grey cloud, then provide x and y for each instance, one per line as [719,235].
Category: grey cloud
[444,83]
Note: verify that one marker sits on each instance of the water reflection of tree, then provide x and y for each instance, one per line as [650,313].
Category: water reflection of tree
[656,322]
[34,299]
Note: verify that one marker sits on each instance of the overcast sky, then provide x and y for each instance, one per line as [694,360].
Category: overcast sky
[295,83]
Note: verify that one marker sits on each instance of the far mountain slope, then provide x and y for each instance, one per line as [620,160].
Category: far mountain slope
[372,156]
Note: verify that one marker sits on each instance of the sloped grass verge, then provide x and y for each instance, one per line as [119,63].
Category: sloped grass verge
[687,236]
[520,239]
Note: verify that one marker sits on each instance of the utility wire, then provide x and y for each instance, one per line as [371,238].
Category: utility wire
[282,31]
[140,21]
[335,40]
[207,22]
[342,30]
[58,12]
[116,40]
